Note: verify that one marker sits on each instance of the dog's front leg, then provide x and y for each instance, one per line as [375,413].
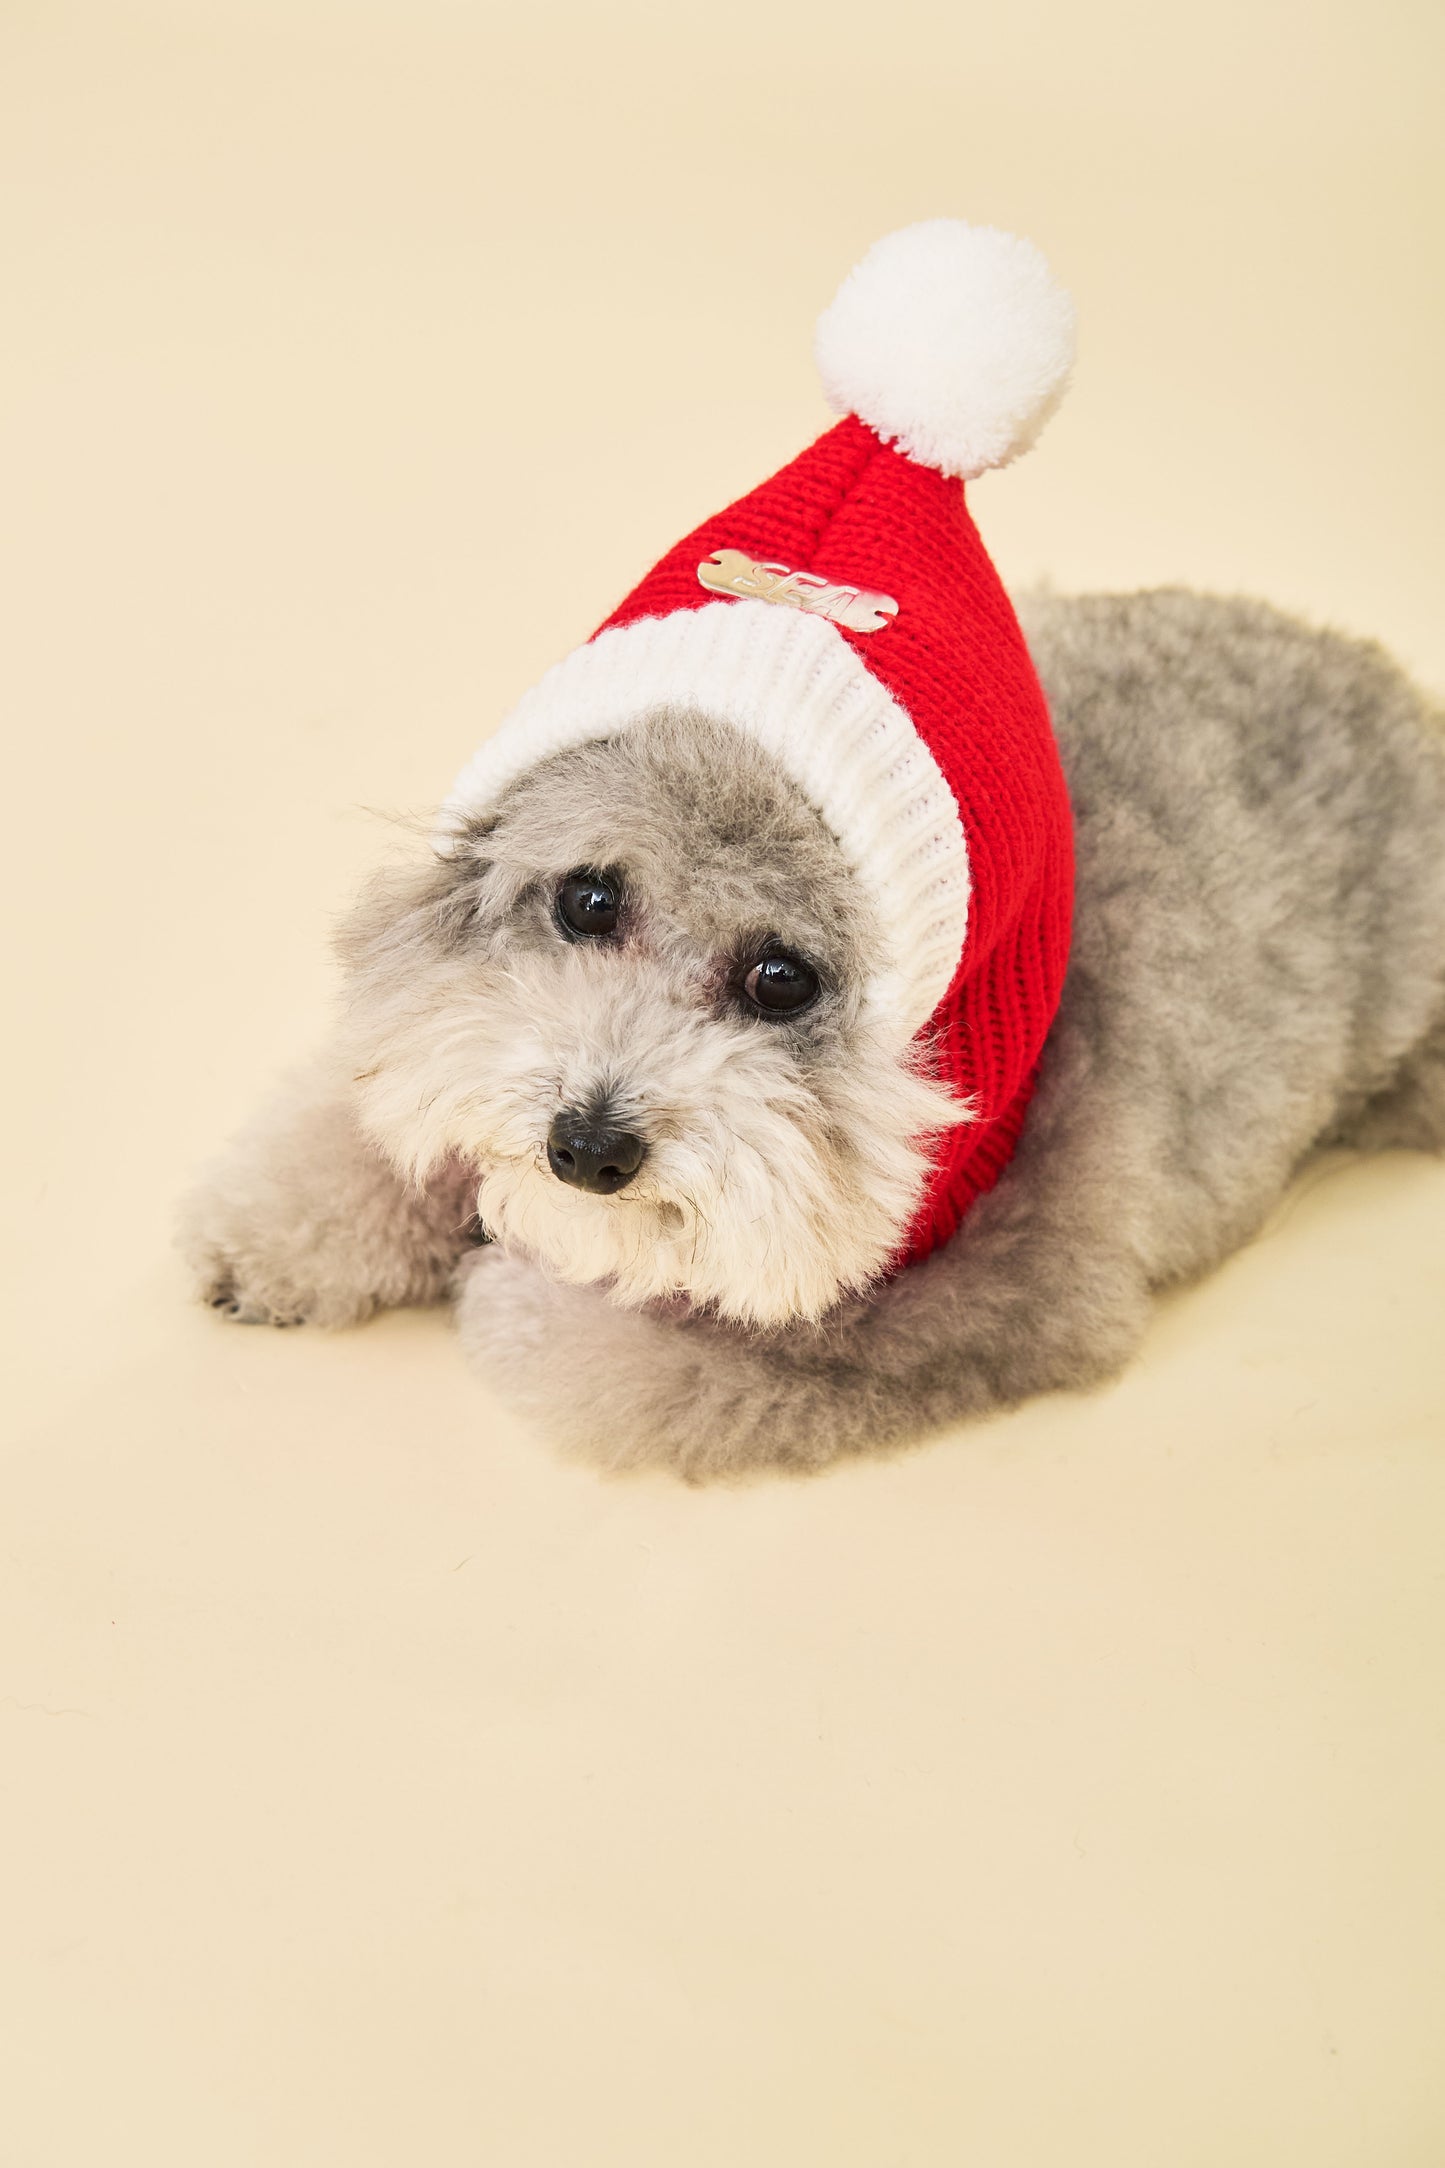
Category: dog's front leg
[301,1220]
[999,1316]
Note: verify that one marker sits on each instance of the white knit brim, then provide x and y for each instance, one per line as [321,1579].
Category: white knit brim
[791,682]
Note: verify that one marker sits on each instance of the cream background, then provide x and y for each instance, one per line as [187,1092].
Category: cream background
[374,1788]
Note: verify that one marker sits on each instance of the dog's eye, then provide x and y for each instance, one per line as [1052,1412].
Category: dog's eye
[588,903]
[781,984]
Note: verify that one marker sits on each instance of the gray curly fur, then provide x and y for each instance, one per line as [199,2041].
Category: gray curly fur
[1258,967]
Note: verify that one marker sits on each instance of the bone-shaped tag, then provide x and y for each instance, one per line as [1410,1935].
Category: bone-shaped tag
[857,609]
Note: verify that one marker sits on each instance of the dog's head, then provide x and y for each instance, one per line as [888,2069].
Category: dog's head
[635,997]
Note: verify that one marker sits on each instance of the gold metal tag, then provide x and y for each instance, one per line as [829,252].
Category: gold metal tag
[859,609]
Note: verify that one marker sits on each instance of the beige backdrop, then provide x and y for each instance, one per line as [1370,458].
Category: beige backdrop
[376,1789]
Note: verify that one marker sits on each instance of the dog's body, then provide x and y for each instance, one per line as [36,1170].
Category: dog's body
[1258,966]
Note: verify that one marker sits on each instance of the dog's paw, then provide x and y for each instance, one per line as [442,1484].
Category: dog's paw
[251,1274]
[282,1244]
[301,1221]
[643,1388]
[243,1306]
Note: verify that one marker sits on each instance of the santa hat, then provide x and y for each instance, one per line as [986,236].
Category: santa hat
[846,616]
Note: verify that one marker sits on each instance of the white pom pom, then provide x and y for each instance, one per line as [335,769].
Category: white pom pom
[953,342]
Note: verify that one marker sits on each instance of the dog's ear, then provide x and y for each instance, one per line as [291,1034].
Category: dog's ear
[469,854]
[473,837]
[434,902]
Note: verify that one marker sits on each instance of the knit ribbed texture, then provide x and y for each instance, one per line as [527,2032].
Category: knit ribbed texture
[858,512]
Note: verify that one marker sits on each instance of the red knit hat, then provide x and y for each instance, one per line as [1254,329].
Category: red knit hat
[893,685]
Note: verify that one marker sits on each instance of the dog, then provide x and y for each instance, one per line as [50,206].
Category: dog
[607,1069]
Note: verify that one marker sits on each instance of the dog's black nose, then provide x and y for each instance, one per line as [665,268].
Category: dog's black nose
[585,1150]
